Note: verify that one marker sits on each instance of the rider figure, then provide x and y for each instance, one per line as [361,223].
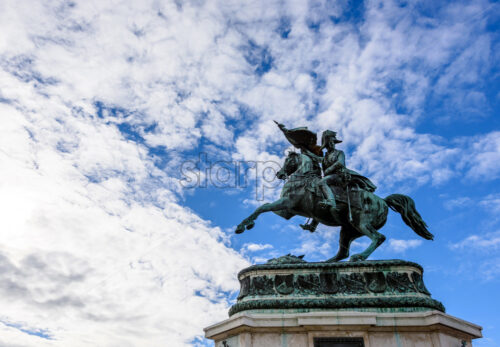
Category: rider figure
[336,174]
[333,168]
[333,163]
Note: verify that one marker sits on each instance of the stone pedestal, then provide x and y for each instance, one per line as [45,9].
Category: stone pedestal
[402,329]
[291,303]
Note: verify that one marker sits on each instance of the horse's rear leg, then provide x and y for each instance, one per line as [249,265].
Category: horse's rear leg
[347,235]
[248,222]
[376,237]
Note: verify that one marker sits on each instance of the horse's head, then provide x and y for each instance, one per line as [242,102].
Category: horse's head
[290,166]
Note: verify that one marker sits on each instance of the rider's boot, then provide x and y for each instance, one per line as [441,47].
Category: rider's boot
[330,198]
[311,226]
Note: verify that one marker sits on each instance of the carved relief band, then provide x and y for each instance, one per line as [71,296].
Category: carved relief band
[395,284]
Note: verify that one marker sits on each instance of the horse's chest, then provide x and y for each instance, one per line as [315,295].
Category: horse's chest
[296,188]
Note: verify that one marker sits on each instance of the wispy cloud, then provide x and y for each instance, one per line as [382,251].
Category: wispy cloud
[484,243]
[490,269]
[492,203]
[101,103]
[256,247]
[458,202]
[400,246]
[483,158]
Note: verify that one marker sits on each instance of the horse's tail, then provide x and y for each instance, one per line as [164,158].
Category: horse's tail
[405,206]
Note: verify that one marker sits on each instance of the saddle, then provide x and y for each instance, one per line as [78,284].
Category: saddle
[311,183]
[356,195]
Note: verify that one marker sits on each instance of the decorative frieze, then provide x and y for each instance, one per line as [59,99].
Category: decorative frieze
[334,285]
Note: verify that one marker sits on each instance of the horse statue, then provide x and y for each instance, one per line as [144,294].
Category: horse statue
[358,212]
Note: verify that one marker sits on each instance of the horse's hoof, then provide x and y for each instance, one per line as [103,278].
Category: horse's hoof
[250,225]
[239,229]
[356,258]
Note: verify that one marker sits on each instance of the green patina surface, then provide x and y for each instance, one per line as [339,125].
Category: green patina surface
[289,283]
[400,304]
[318,185]
[283,263]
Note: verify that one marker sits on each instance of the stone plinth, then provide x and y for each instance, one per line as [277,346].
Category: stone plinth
[396,329]
[388,285]
[291,303]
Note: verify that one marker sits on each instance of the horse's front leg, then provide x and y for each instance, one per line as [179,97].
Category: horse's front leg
[248,222]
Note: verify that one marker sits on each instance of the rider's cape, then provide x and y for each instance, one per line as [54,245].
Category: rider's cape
[361,181]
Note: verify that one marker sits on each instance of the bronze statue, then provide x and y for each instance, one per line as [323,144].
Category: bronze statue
[342,197]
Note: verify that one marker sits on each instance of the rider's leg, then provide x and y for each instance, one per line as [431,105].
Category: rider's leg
[329,200]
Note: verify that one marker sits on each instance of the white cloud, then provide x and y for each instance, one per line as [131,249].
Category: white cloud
[89,262]
[319,246]
[356,99]
[314,250]
[458,202]
[92,243]
[95,247]
[260,260]
[400,246]
[256,247]
[482,161]
[490,269]
[491,203]
[359,245]
[486,242]
[258,252]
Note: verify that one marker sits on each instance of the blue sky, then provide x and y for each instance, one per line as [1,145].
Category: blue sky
[106,106]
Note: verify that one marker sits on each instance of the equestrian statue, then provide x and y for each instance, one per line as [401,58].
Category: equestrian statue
[320,187]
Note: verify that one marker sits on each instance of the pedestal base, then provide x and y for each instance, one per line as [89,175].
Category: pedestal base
[288,302]
[372,329]
[379,285]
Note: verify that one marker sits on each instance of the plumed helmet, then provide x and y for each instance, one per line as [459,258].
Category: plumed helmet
[328,134]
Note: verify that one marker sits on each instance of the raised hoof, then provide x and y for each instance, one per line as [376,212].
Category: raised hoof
[250,225]
[239,229]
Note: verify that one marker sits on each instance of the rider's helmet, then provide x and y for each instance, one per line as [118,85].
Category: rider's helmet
[328,134]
